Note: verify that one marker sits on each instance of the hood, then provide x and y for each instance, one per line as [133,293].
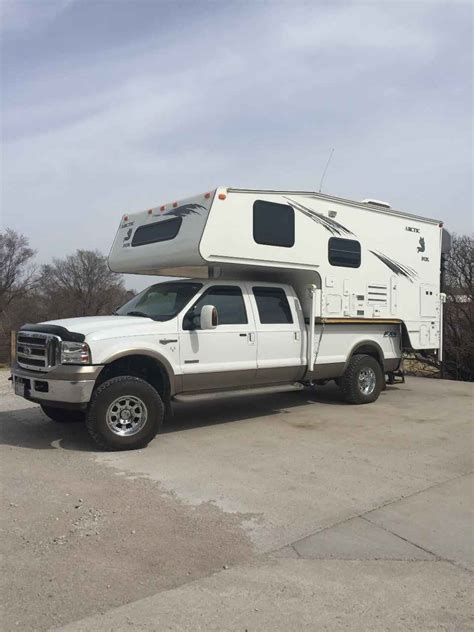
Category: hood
[110,326]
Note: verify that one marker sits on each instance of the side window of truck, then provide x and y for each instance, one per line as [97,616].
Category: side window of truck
[344,252]
[228,301]
[272,304]
[273,224]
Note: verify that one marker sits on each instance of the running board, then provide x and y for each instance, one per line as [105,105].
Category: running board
[262,390]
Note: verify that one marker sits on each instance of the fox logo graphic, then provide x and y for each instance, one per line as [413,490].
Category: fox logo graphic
[128,235]
[421,247]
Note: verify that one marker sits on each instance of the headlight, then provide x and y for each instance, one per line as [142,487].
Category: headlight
[75,353]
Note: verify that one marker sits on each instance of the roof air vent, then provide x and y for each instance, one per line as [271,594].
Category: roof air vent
[376,203]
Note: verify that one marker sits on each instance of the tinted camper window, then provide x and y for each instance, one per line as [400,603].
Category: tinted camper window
[272,305]
[158,231]
[344,252]
[273,224]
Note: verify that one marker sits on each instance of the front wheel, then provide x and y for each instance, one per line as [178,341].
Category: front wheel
[125,413]
[362,380]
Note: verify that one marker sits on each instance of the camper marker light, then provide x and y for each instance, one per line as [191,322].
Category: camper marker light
[150,211]
[175,204]
[222,196]
[125,218]
[162,208]
[207,195]
[75,353]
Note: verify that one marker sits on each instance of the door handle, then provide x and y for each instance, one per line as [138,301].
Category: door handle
[167,341]
[243,335]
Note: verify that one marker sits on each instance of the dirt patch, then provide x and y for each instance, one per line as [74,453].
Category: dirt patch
[79,539]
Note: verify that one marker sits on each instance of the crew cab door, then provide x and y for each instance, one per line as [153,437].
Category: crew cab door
[280,328]
[227,355]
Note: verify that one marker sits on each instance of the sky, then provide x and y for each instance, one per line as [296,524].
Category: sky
[114,106]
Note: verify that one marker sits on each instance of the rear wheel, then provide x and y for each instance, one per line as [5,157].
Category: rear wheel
[63,415]
[362,381]
[125,413]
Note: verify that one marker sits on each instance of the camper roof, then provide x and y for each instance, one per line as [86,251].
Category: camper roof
[372,205]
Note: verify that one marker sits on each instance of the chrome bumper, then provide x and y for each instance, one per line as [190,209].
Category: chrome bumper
[63,384]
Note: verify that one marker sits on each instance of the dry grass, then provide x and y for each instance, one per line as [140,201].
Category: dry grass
[415,367]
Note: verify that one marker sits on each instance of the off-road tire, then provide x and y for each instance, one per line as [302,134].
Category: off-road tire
[349,382]
[63,415]
[102,398]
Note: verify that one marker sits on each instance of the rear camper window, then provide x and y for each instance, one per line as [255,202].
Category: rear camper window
[273,224]
[158,231]
[272,304]
[344,252]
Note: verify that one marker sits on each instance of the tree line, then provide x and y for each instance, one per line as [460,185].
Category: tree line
[81,284]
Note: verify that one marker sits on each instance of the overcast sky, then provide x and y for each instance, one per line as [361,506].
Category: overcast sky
[115,106]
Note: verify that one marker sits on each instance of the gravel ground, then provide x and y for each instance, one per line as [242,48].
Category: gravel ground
[258,513]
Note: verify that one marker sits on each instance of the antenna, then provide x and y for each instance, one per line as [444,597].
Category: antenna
[325,169]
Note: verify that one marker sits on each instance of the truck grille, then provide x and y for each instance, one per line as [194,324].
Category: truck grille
[39,352]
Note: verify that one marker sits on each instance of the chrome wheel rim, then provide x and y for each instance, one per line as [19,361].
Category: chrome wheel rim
[126,415]
[367,381]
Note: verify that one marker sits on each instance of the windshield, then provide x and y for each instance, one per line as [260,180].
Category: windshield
[162,301]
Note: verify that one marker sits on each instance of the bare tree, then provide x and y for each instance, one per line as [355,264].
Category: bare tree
[17,279]
[80,285]
[458,316]
[459,309]
[17,274]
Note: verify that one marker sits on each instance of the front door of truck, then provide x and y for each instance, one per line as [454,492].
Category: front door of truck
[227,355]
[280,342]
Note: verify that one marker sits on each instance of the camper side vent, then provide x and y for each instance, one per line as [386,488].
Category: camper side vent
[377,294]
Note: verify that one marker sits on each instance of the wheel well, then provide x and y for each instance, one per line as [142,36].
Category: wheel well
[141,366]
[369,349]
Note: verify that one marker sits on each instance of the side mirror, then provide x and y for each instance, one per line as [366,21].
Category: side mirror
[209,318]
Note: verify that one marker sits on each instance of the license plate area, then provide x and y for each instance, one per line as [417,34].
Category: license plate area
[20,387]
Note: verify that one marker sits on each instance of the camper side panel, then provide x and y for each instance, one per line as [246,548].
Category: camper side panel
[162,237]
[371,264]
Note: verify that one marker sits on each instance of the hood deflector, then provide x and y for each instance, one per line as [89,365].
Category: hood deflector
[55,330]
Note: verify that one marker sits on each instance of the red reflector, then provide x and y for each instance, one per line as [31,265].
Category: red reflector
[125,218]
[150,211]
[222,196]
[162,208]
[175,204]
[207,196]
[441,224]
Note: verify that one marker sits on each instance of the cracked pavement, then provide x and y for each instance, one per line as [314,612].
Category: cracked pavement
[289,511]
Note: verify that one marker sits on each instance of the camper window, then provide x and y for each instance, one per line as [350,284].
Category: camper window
[158,231]
[273,224]
[344,252]
[272,304]
[228,301]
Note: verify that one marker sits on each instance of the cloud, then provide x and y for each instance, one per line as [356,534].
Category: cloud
[18,16]
[254,97]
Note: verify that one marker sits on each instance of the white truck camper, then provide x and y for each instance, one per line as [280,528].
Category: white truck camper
[275,290]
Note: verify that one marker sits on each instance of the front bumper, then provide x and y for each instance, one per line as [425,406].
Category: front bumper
[71,385]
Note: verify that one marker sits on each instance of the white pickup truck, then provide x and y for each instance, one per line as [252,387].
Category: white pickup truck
[188,337]
[284,289]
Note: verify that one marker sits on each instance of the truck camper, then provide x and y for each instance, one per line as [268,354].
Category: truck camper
[266,291]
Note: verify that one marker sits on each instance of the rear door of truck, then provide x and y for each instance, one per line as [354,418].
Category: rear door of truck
[281,355]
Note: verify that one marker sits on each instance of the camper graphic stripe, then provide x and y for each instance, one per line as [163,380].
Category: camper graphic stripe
[329,224]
